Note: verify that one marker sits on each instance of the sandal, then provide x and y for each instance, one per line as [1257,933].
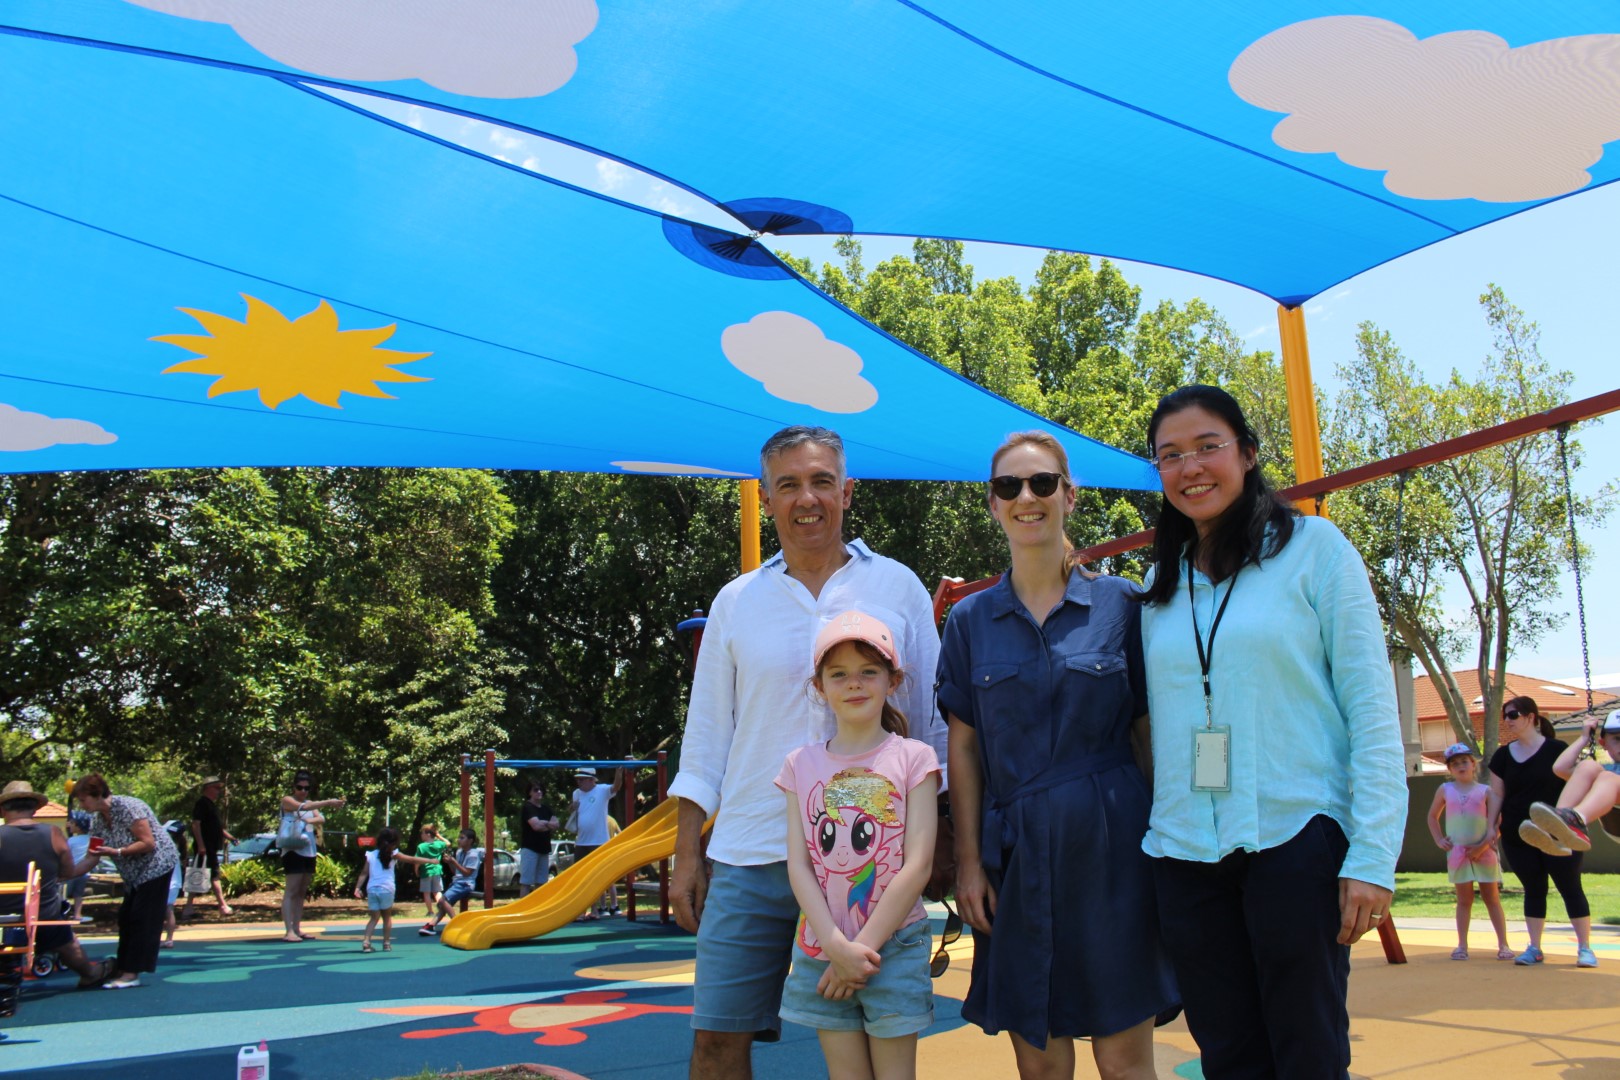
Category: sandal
[365,946]
[1459,953]
[1505,953]
[388,947]
[291,940]
[305,937]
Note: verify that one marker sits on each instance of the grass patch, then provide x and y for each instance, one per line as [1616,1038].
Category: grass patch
[1431,896]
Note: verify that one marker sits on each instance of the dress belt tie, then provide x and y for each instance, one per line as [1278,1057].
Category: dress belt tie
[998,831]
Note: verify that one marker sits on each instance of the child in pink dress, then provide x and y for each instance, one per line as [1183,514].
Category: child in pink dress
[1470,846]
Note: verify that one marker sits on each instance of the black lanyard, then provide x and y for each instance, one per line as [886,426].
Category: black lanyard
[1205,659]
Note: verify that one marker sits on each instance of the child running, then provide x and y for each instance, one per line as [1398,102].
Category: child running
[1470,846]
[376,885]
[465,860]
[863,805]
[1591,790]
[432,847]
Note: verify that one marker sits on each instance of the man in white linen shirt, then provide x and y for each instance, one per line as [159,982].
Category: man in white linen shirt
[751,704]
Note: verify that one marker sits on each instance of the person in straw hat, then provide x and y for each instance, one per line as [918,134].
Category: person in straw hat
[25,842]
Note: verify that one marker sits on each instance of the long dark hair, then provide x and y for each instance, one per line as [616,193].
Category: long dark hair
[387,844]
[1527,706]
[1257,526]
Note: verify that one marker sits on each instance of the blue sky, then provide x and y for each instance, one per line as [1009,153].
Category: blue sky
[1555,262]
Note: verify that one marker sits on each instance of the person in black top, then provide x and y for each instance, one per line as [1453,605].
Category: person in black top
[1521,774]
[534,854]
[25,842]
[209,837]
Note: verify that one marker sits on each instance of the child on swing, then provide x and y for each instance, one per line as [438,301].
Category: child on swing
[1469,842]
[1590,791]
[862,815]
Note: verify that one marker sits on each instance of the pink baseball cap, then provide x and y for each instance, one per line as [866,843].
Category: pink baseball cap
[855,626]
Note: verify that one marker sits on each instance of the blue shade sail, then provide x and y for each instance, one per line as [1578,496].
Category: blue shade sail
[162,155]
[1147,132]
[211,267]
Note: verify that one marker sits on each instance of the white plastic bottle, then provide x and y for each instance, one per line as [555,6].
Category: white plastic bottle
[253,1062]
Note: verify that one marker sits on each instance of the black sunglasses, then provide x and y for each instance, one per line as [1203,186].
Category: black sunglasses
[300,787]
[953,931]
[1041,485]
[1511,714]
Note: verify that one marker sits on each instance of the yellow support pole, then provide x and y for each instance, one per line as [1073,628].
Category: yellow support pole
[749,525]
[1302,422]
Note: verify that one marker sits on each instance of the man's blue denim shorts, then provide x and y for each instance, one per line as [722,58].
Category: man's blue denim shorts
[898,1000]
[744,946]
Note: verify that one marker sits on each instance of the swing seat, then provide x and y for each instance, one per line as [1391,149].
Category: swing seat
[1610,824]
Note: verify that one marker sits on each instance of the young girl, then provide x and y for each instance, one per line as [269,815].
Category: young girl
[376,885]
[1470,847]
[863,809]
[465,861]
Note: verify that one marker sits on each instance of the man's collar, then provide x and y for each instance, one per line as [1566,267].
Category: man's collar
[857,549]
[1003,601]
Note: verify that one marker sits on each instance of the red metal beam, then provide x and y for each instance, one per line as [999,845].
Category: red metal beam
[950,590]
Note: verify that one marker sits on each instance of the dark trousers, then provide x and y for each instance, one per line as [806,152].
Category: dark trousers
[1533,867]
[1252,942]
[140,924]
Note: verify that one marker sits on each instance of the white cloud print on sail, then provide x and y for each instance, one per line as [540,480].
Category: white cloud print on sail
[794,360]
[21,430]
[491,48]
[1459,115]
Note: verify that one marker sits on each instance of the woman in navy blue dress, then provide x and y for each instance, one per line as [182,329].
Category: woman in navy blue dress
[1041,679]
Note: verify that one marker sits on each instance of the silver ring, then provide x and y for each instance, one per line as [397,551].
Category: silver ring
[1375,916]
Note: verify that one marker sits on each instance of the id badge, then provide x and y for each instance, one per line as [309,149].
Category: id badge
[1212,759]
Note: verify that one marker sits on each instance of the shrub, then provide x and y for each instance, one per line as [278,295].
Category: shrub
[331,878]
[249,876]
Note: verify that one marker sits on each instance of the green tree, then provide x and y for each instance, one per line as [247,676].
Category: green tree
[1491,523]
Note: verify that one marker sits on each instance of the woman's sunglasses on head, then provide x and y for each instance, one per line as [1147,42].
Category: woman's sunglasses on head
[1041,485]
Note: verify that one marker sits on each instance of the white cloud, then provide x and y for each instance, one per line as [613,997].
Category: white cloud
[794,360]
[611,174]
[669,468]
[491,48]
[35,431]
[1459,115]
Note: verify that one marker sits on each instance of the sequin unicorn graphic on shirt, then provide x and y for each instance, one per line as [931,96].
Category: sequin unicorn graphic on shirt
[857,845]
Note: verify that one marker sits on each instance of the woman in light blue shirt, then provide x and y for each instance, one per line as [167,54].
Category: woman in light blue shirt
[1279,798]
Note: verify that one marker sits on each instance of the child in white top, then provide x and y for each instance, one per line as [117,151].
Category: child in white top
[862,816]
[1470,846]
[376,885]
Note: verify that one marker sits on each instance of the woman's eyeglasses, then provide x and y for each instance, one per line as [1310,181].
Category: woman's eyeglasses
[1170,462]
[1041,485]
[953,931]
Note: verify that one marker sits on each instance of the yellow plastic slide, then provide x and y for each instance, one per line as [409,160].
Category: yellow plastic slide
[571,892]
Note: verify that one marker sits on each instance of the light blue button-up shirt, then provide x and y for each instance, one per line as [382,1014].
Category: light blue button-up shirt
[1301,675]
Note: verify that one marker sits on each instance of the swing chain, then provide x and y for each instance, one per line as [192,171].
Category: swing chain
[1575,558]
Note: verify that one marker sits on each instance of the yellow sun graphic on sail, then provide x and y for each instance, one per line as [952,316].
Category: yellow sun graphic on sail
[284,358]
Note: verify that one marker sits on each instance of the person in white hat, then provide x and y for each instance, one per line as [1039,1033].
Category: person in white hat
[589,819]
[1469,842]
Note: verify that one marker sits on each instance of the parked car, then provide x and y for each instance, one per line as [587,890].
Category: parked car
[259,846]
[562,856]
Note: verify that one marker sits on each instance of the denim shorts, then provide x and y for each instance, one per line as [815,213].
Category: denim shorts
[532,866]
[744,947]
[379,899]
[898,1000]
[457,892]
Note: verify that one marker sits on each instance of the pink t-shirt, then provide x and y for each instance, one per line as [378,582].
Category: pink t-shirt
[854,819]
